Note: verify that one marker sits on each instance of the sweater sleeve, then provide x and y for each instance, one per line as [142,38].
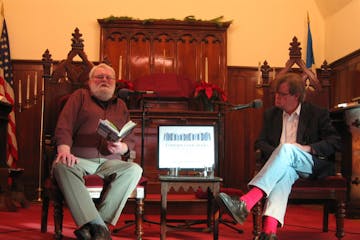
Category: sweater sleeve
[67,119]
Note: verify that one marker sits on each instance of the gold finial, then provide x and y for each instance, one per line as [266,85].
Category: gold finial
[2,9]
[308,18]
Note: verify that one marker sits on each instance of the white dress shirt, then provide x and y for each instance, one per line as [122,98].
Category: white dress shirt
[290,125]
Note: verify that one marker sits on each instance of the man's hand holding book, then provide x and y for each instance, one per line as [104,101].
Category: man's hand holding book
[109,131]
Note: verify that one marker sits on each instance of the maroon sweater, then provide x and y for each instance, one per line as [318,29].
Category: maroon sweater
[77,124]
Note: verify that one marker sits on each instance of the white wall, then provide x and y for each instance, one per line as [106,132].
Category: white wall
[261,29]
[342,31]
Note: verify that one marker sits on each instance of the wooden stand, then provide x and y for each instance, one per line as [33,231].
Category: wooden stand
[9,195]
[347,121]
[186,182]
[5,198]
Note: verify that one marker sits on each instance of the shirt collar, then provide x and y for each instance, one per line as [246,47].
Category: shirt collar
[103,104]
[296,112]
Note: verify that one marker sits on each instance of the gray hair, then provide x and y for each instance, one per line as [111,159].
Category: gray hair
[101,65]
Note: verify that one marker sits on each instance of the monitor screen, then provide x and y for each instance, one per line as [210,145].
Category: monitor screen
[186,146]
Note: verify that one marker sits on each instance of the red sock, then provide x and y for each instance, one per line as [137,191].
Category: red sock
[252,197]
[270,225]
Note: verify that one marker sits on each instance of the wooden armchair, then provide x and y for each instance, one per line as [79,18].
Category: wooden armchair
[57,85]
[331,191]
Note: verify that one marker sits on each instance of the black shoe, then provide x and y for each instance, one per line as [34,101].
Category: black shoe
[265,236]
[83,233]
[99,232]
[236,208]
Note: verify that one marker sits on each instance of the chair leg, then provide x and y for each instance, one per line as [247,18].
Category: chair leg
[340,215]
[58,202]
[138,222]
[44,213]
[326,217]
[139,215]
[256,211]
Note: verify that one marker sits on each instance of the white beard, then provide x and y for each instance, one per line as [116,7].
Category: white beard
[102,93]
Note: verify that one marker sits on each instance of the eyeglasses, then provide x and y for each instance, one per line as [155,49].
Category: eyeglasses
[102,77]
[282,94]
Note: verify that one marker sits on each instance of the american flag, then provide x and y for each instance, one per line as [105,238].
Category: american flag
[7,91]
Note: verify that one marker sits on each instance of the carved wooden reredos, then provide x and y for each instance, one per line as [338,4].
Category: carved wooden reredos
[136,48]
[317,85]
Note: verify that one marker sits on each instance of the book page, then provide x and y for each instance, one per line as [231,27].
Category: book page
[109,131]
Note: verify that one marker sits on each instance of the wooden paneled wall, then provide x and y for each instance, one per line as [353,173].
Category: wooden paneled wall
[241,127]
[346,78]
[27,116]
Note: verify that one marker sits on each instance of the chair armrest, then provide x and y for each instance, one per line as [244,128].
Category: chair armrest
[48,154]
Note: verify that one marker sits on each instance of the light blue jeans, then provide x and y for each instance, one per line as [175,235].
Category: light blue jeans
[286,164]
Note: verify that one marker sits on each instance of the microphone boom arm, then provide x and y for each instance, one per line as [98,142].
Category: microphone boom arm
[257,103]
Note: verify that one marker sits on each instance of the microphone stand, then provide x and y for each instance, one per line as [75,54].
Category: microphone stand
[142,160]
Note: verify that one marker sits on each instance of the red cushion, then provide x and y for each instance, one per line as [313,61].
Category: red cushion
[166,85]
[93,181]
[143,181]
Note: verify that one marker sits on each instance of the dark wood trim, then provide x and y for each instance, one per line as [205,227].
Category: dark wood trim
[345,59]
[170,24]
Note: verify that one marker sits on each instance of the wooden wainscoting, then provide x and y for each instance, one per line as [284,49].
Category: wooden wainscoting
[241,127]
[345,79]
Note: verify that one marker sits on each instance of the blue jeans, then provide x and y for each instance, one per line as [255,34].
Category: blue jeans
[286,164]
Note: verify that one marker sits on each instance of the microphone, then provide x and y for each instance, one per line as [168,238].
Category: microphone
[257,103]
[125,92]
[145,92]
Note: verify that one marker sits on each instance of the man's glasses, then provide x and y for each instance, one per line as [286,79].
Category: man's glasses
[102,77]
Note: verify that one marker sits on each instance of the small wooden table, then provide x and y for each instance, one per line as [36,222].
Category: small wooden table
[209,184]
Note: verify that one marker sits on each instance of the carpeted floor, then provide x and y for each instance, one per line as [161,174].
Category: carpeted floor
[302,222]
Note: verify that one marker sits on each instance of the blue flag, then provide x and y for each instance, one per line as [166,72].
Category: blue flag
[309,49]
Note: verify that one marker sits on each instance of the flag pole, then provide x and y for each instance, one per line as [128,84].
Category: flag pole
[2,10]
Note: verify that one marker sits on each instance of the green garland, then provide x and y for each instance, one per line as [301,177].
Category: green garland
[218,20]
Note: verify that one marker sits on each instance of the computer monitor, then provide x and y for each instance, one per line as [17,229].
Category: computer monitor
[186,146]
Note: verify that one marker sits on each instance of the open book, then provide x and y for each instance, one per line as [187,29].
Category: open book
[109,131]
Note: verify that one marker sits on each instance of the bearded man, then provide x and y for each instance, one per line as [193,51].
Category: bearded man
[81,151]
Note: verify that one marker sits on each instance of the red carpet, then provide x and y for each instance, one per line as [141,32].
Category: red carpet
[302,222]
